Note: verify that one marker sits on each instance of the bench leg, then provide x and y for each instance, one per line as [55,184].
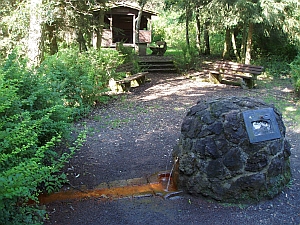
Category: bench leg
[141,80]
[250,83]
[215,78]
[116,86]
[126,86]
[154,51]
[138,81]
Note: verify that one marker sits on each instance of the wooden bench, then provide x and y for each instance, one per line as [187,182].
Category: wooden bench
[219,70]
[127,83]
[159,49]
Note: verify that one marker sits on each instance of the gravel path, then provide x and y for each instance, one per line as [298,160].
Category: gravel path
[133,137]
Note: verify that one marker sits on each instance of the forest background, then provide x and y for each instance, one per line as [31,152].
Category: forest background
[52,74]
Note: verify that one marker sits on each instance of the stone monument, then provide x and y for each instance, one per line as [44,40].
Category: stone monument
[216,158]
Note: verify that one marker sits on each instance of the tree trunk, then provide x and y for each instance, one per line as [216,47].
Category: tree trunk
[98,31]
[53,47]
[243,45]
[249,44]
[187,36]
[227,44]
[137,25]
[234,47]
[95,38]
[35,38]
[198,23]
[81,41]
[206,38]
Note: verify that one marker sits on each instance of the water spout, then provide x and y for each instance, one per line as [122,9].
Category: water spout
[171,173]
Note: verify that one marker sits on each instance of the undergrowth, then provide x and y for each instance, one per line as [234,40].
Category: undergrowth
[37,109]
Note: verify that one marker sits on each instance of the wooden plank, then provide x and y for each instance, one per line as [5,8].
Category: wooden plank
[125,84]
[133,77]
[238,66]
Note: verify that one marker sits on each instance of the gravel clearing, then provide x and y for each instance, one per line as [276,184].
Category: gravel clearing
[134,136]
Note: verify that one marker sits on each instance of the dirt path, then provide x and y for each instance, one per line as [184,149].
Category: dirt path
[134,137]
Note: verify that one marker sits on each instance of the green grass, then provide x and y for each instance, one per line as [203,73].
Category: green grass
[278,76]
[173,52]
[117,122]
[287,104]
[97,118]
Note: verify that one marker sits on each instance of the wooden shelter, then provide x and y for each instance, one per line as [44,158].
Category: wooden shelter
[120,25]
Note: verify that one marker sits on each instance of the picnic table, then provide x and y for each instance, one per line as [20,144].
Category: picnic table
[159,49]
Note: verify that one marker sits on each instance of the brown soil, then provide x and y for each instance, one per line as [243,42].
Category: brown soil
[133,138]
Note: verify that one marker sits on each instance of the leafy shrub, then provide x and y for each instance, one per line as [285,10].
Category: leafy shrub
[36,112]
[275,66]
[295,67]
[185,58]
[33,122]
[80,77]
[126,51]
[274,43]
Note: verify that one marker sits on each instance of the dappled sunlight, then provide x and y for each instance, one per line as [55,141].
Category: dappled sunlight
[288,90]
[264,76]
[291,109]
[180,87]
[284,89]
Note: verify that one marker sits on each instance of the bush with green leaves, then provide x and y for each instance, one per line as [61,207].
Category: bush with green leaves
[37,109]
[274,66]
[295,67]
[81,78]
[34,121]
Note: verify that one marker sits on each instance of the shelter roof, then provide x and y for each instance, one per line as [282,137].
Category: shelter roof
[132,6]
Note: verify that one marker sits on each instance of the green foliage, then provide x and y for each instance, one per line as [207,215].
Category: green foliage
[274,66]
[81,78]
[36,112]
[167,28]
[14,23]
[295,67]
[187,57]
[126,52]
[273,42]
[216,41]
[34,122]
[127,55]
[158,34]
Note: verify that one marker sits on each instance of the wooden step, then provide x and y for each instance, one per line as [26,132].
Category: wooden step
[151,64]
[157,64]
[166,70]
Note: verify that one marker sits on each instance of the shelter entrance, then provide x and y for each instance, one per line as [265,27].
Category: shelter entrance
[122,26]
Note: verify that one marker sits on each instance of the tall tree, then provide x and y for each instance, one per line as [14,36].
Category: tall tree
[249,44]
[187,20]
[51,31]
[142,4]
[98,26]
[199,30]
[201,10]
[227,43]
[35,38]
[206,38]
[244,15]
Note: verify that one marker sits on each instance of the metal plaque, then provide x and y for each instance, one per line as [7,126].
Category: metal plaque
[261,125]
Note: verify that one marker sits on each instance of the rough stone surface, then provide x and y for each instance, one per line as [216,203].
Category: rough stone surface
[216,158]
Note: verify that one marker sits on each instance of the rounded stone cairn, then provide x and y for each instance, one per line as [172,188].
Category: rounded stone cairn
[217,160]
